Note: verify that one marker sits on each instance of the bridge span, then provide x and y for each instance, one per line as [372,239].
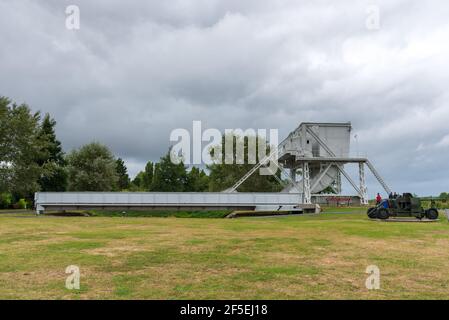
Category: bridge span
[167,200]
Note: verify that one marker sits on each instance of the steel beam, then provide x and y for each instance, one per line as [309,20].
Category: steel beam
[348,177]
[151,200]
[378,177]
[322,174]
[307,195]
[362,183]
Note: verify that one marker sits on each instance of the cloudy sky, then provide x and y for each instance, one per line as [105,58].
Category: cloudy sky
[136,70]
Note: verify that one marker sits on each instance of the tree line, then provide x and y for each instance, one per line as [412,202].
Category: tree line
[32,159]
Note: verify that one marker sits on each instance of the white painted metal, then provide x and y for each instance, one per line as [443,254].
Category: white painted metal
[333,178]
[262,162]
[363,198]
[348,177]
[322,149]
[323,172]
[44,200]
[316,141]
[338,183]
[307,195]
[378,177]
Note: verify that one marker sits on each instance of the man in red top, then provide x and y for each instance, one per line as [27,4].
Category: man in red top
[378,198]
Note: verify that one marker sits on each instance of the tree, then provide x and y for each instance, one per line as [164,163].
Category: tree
[92,168]
[54,176]
[137,183]
[5,146]
[444,196]
[20,149]
[147,177]
[168,176]
[197,180]
[122,173]
[144,179]
[328,190]
[223,176]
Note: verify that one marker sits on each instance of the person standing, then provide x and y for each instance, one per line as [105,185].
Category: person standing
[378,198]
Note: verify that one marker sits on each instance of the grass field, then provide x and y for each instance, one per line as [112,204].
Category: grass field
[297,257]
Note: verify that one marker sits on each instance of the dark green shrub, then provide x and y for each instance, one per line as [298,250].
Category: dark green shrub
[5,200]
[22,204]
[161,213]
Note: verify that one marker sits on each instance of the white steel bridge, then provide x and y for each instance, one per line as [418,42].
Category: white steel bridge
[314,152]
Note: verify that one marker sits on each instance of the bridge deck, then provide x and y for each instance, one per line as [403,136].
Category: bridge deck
[169,200]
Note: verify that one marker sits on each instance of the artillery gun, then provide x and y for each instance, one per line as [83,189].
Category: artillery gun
[402,206]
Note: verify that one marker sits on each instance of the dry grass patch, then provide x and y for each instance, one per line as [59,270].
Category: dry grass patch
[314,257]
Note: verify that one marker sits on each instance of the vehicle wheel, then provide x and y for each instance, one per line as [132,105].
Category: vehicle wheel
[372,213]
[432,214]
[421,215]
[382,214]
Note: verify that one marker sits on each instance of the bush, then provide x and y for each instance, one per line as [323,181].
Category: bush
[21,204]
[160,213]
[5,200]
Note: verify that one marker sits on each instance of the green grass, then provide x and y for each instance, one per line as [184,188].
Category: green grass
[326,209]
[297,257]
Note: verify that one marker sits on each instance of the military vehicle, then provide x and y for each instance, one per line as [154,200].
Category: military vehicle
[402,206]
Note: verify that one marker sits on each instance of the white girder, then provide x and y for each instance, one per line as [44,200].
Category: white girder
[325,174]
[257,166]
[362,190]
[250,172]
[307,195]
[362,183]
[378,177]
[322,174]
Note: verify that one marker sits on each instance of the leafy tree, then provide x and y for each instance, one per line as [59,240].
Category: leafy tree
[144,179]
[444,196]
[53,147]
[223,176]
[147,177]
[137,183]
[197,180]
[168,176]
[328,190]
[92,168]
[20,149]
[54,176]
[5,145]
[5,200]
[122,173]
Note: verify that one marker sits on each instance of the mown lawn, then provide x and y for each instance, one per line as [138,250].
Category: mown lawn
[297,257]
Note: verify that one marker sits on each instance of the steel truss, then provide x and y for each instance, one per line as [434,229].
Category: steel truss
[327,162]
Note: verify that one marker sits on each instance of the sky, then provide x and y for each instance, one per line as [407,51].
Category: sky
[136,70]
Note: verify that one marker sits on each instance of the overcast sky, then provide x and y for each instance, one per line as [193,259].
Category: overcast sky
[135,70]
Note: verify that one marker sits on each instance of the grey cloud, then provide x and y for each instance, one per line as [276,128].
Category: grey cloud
[137,70]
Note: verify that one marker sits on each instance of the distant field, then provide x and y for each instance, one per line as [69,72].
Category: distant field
[297,257]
